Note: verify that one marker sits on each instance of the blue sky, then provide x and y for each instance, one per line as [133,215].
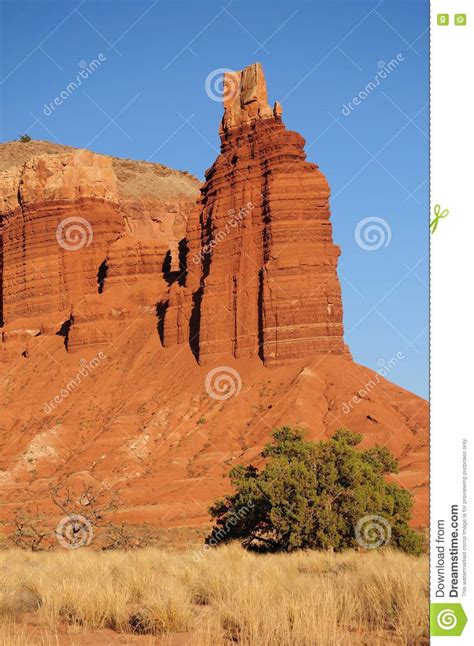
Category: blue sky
[147,100]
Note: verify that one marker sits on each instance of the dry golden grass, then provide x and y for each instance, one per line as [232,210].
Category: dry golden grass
[225,595]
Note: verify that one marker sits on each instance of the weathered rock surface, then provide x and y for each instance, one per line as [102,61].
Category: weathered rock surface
[262,266]
[82,234]
[143,424]
[62,203]
[108,349]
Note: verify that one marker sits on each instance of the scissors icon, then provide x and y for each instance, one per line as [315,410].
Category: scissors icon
[438,215]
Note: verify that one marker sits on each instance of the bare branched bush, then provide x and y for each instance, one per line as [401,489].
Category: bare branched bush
[94,506]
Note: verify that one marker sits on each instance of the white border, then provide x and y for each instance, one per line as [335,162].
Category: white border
[452,312]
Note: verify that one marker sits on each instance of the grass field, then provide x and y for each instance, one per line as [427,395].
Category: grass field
[221,596]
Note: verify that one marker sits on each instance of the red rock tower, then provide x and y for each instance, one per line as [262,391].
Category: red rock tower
[262,266]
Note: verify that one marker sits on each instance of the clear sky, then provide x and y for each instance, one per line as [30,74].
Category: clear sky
[147,100]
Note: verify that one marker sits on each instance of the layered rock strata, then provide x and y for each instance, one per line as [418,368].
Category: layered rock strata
[86,240]
[60,214]
[249,272]
[261,264]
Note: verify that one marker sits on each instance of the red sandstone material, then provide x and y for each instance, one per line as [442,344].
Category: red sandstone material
[262,266]
[247,280]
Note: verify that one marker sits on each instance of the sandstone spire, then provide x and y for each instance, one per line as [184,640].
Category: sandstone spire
[262,266]
[245,97]
[260,282]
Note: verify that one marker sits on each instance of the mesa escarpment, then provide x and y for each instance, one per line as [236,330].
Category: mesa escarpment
[86,238]
[262,266]
[107,345]
[41,276]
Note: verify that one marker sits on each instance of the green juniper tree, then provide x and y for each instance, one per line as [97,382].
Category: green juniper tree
[314,495]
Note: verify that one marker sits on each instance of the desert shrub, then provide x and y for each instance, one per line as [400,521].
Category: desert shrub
[25,138]
[319,495]
[88,510]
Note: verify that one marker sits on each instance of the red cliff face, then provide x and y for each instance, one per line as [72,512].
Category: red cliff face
[262,267]
[87,241]
[73,196]
[100,335]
